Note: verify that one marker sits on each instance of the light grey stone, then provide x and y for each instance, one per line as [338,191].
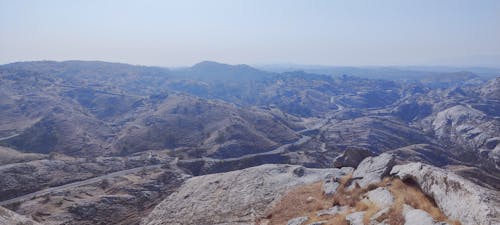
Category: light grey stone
[330,187]
[332,211]
[372,169]
[380,197]
[416,216]
[355,218]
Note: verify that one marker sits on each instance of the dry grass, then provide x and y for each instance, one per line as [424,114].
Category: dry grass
[343,196]
[337,220]
[8,155]
[369,208]
[408,193]
[394,216]
[294,204]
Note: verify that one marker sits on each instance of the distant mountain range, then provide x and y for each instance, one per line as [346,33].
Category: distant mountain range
[89,118]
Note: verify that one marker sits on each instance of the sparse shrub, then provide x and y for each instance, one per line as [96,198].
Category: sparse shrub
[104,184]
[46,199]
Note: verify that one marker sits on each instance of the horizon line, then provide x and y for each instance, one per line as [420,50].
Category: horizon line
[292,65]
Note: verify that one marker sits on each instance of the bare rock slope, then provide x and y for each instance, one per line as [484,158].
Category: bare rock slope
[238,197]
[412,192]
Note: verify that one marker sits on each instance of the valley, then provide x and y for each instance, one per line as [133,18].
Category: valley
[82,140]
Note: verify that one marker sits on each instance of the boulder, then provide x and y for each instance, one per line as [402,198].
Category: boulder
[372,169]
[237,197]
[355,218]
[298,220]
[351,158]
[331,183]
[380,197]
[458,198]
[330,187]
[418,217]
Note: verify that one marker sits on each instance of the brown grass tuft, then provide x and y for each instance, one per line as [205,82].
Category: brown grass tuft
[409,193]
[294,204]
[338,220]
[394,216]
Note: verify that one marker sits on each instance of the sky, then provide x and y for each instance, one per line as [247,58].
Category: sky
[256,32]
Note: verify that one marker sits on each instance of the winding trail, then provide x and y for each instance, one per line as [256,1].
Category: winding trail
[281,149]
[278,150]
[9,137]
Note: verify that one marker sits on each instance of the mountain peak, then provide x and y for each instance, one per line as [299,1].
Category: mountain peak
[217,65]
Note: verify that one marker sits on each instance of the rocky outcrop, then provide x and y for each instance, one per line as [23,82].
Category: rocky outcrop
[351,158]
[332,182]
[492,89]
[469,128]
[238,197]
[8,217]
[372,169]
[458,198]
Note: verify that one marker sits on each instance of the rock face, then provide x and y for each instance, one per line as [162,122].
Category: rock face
[372,169]
[238,197]
[458,198]
[8,217]
[467,127]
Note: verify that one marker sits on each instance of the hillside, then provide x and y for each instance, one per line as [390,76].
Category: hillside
[232,144]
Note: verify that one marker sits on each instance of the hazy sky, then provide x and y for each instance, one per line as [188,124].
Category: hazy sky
[179,33]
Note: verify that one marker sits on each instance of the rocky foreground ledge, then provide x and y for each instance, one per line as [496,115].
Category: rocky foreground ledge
[376,193]
[237,197]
